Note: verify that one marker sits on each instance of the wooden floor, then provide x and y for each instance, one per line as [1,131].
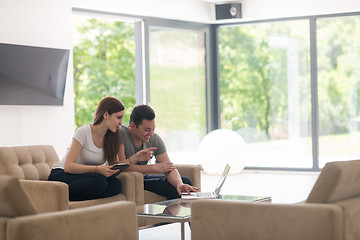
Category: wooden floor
[283,187]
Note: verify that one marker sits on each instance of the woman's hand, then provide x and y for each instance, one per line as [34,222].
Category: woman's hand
[105,170]
[143,155]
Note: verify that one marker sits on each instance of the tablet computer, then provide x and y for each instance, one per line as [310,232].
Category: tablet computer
[119,166]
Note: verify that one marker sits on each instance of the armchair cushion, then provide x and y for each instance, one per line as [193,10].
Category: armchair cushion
[14,201]
[27,162]
[93,202]
[337,181]
[47,196]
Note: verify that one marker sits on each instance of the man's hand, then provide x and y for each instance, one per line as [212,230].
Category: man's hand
[186,188]
[143,155]
[163,167]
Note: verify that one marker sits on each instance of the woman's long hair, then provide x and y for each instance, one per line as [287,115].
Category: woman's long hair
[112,140]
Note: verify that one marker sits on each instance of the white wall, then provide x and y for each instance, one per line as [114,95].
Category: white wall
[47,24]
[204,11]
[186,10]
[268,9]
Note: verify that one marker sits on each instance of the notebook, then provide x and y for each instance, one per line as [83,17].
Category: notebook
[215,194]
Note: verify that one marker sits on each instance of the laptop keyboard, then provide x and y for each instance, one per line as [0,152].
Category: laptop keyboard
[205,194]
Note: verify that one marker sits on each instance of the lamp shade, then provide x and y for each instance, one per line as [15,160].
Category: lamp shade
[219,147]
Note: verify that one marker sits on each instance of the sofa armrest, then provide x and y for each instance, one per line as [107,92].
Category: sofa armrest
[47,196]
[193,172]
[138,186]
[128,185]
[117,220]
[221,219]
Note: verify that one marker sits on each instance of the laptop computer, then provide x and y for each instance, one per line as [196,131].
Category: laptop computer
[204,195]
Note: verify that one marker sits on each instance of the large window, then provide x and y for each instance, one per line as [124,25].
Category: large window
[265,91]
[290,88]
[178,89]
[338,88]
[104,65]
[291,115]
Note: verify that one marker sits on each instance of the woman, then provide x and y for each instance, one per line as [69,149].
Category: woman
[86,167]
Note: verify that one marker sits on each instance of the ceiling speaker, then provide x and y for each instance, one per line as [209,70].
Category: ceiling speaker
[228,11]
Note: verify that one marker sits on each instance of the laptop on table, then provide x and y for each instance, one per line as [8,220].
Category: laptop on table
[207,195]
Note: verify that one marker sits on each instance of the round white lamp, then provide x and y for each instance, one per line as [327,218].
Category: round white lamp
[219,147]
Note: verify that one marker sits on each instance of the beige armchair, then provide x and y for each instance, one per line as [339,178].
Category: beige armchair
[32,165]
[193,172]
[20,218]
[331,212]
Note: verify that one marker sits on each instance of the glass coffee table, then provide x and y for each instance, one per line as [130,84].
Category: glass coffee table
[178,210]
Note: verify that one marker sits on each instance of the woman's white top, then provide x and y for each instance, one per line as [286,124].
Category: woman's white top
[89,153]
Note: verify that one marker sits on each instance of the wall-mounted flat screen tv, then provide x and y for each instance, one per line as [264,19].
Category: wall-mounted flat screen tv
[32,75]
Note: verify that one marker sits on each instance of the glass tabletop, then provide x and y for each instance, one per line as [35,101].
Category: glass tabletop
[176,208]
[180,208]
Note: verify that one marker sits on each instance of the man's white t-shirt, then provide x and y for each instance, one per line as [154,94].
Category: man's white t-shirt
[89,153]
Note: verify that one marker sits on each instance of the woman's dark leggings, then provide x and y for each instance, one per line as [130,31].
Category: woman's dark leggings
[87,186]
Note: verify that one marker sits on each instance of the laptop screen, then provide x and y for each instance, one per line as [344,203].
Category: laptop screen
[222,179]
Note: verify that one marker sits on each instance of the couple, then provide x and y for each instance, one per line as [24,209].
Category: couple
[86,167]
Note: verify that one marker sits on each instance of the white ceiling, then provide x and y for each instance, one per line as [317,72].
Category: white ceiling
[218,1]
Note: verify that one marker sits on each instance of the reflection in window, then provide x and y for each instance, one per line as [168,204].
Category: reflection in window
[265,91]
[338,88]
[178,89]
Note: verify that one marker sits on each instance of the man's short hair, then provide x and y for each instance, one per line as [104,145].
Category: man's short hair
[141,112]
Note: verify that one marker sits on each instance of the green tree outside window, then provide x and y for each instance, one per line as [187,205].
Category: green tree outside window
[104,65]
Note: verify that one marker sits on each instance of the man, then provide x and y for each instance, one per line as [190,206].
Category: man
[140,135]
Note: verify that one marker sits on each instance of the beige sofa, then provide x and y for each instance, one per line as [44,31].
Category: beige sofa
[23,217]
[32,165]
[331,212]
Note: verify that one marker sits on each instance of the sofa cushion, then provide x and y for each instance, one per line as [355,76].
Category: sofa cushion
[27,162]
[13,199]
[150,197]
[93,202]
[337,181]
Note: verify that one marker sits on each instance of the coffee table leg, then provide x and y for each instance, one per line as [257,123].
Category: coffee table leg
[182,231]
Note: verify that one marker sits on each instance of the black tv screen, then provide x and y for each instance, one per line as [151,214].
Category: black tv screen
[32,75]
